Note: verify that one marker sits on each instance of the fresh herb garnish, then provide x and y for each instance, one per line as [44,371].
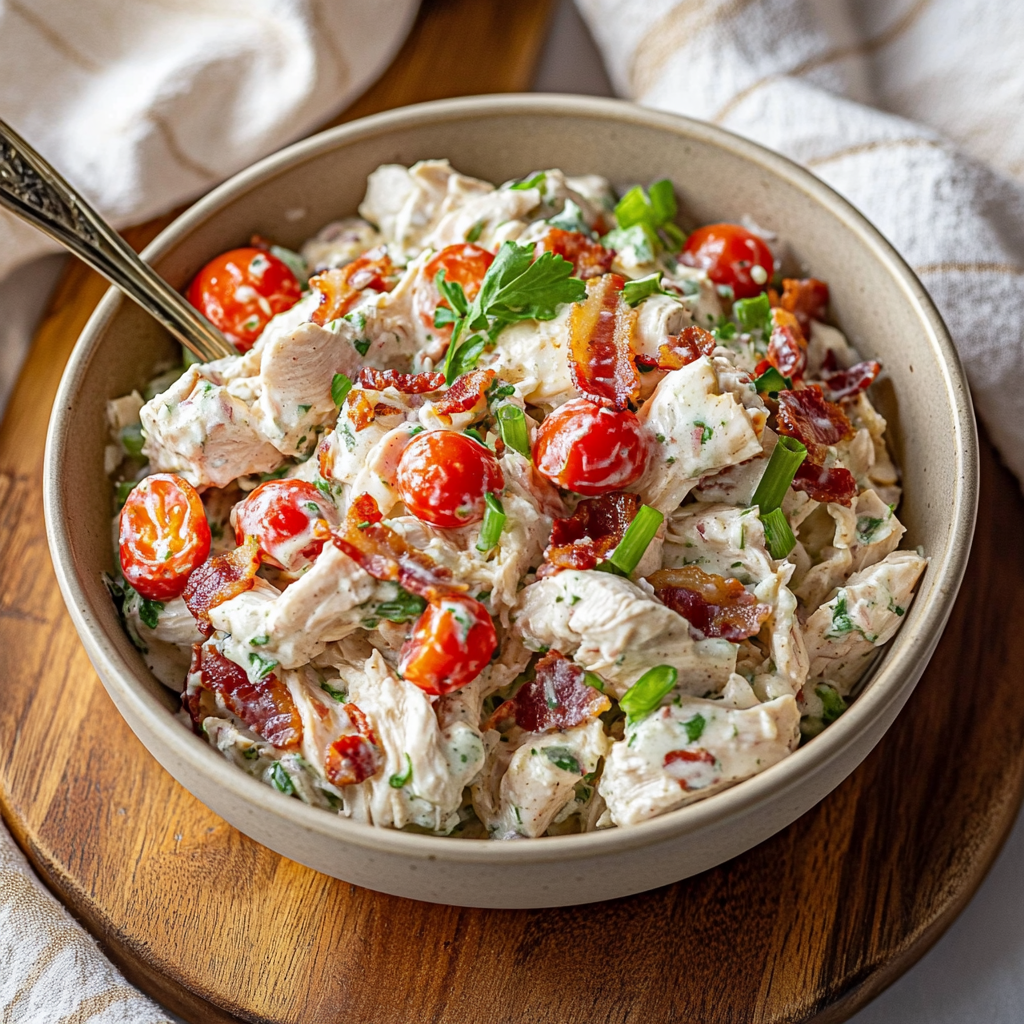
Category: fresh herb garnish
[635,541]
[563,757]
[398,781]
[772,382]
[149,611]
[694,728]
[512,425]
[264,666]
[653,212]
[340,387]
[648,691]
[787,455]
[570,219]
[281,780]
[132,439]
[339,695]
[754,314]
[536,181]
[832,702]
[493,524]
[778,535]
[634,292]
[403,607]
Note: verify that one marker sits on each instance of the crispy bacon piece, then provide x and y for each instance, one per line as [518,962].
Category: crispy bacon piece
[340,287]
[601,358]
[265,706]
[407,383]
[468,393]
[851,382]
[325,456]
[381,552]
[680,349]
[360,721]
[585,538]
[809,417]
[713,605]
[558,697]
[351,759]
[362,412]
[219,579]
[833,484]
[589,259]
[806,298]
[787,347]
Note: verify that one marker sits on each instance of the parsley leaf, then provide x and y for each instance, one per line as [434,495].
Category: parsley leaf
[537,181]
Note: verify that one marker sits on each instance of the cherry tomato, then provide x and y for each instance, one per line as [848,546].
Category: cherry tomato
[463,264]
[587,448]
[163,535]
[281,514]
[451,644]
[728,253]
[241,290]
[443,477]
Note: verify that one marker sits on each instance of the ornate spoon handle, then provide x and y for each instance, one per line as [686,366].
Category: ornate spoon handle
[32,189]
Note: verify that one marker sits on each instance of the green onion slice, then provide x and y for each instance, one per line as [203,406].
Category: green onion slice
[782,466]
[494,522]
[648,692]
[340,387]
[512,424]
[132,439]
[639,534]
[754,314]
[398,781]
[771,380]
[778,536]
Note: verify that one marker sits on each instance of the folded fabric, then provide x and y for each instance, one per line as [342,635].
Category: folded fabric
[145,104]
[909,109]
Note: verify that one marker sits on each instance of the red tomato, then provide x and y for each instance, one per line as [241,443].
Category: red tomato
[241,290]
[443,477]
[728,253]
[163,536]
[463,264]
[451,644]
[586,448]
[281,514]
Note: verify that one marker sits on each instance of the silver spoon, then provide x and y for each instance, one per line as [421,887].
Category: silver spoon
[34,191]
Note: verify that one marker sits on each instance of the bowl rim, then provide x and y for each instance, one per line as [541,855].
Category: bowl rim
[891,682]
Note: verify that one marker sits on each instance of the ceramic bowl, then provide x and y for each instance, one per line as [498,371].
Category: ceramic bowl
[876,299]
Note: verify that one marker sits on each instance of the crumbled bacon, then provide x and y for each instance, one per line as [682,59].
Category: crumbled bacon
[589,259]
[265,705]
[219,579]
[713,605]
[468,393]
[680,349]
[382,553]
[558,697]
[407,383]
[851,382]
[806,298]
[585,538]
[832,484]
[351,759]
[340,287]
[359,409]
[787,347]
[809,417]
[601,330]
[325,455]
[358,718]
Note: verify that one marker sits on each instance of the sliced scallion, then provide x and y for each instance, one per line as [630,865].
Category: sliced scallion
[493,524]
[648,692]
[635,541]
[512,424]
[778,537]
[340,387]
[782,466]
[754,314]
[132,439]
[771,380]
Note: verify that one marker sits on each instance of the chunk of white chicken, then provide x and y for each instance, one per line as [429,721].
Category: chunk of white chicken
[694,427]
[485,216]
[202,432]
[406,204]
[425,767]
[686,751]
[611,626]
[541,779]
[844,633]
[339,243]
[291,627]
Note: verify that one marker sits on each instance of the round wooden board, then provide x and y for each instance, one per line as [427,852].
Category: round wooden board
[807,927]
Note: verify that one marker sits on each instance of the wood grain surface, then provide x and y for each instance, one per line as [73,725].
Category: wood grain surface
[806,927]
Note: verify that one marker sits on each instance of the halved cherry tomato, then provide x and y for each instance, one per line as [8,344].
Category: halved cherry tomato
[589,449]
[443,477]
[729,253]
[163,535]
[451,644]
[241,290]
[281,515]
[464,264]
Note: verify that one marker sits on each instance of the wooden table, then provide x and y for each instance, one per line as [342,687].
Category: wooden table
[808,926]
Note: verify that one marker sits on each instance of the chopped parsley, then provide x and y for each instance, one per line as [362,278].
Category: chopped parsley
[562,757]
[340,387]
[281,780]
[398,781]
[339,695]
[694,728]
[263,666]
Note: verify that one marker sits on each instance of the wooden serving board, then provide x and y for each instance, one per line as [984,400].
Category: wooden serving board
[806,927]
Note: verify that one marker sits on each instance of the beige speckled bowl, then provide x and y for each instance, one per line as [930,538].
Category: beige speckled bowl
[287,197]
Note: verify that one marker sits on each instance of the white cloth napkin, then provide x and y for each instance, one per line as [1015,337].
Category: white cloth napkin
[145,104]
[909,108]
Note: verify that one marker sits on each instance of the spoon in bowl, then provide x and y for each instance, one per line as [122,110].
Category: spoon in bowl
[35,192]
